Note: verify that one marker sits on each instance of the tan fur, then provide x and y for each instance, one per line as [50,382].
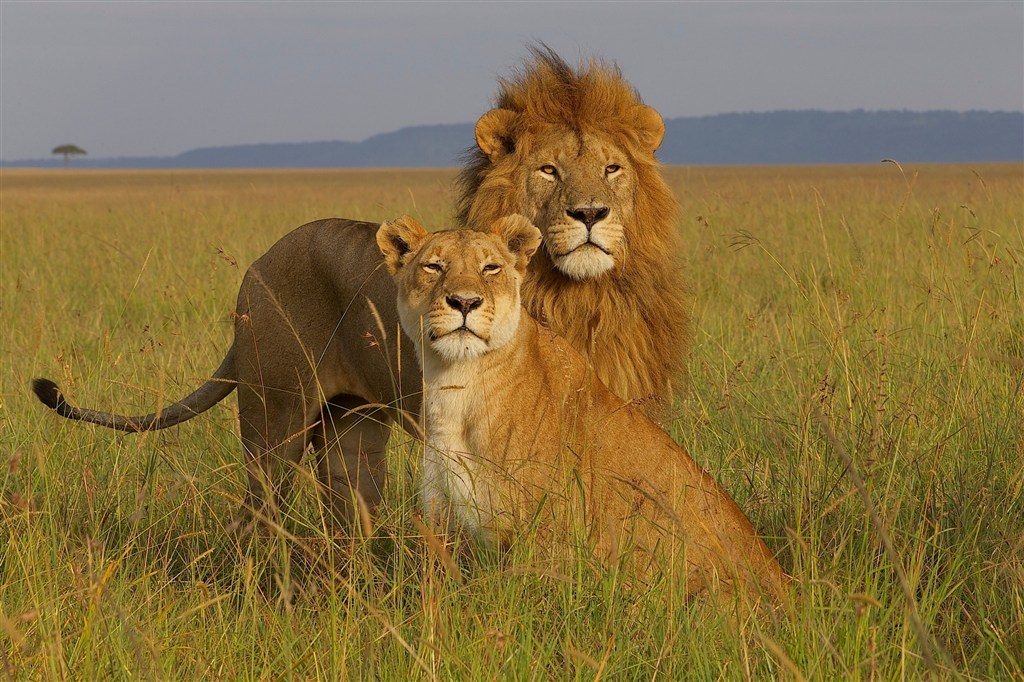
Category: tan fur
[519,431]
[316,365]
[316,356]
[632,321]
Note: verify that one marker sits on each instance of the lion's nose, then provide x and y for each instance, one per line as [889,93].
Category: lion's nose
[588,215]
[464,304]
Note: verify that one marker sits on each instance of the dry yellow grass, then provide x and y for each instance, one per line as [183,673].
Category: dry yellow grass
[857,387]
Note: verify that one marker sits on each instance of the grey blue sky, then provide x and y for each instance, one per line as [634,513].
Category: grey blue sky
[158,78]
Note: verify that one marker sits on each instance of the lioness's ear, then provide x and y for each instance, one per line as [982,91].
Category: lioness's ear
[521,237]
[650,125]
[494,133]
[399,240]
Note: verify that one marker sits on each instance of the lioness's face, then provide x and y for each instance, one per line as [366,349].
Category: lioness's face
[458,291]
[577,186]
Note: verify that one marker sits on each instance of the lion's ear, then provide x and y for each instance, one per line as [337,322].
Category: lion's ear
[520,236]
[399,240]
[650,125]
[494,133]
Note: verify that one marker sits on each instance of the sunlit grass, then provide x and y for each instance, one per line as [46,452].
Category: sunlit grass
[852,323]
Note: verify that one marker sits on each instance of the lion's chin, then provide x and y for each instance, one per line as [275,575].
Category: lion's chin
[459,345]
[586,262]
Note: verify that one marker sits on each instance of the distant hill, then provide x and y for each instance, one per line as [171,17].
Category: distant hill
[779,137]
[794,137]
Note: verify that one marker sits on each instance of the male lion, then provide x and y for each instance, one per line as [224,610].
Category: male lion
[518,431]
[574,152]
[317,358]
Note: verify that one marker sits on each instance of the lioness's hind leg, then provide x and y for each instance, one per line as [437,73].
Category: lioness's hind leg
[351,459]
[275,433]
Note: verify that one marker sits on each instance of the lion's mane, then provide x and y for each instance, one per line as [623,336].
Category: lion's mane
[634,321]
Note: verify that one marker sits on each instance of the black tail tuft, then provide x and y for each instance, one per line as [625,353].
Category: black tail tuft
[50,395]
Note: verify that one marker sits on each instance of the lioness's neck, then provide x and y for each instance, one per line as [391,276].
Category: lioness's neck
[463,401]
[439,373]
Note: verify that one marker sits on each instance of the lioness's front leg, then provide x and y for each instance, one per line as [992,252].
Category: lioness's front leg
[352,444]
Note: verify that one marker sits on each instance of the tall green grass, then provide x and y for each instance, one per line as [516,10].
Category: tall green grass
[856,385]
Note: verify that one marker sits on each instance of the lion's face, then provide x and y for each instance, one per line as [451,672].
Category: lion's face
[458,290]
[579,190]
[577,185]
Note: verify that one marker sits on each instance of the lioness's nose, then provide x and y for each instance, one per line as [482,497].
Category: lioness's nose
[464,304]
[588,215]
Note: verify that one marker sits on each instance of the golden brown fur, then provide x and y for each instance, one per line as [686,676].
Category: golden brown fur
[519,431]
[632,321]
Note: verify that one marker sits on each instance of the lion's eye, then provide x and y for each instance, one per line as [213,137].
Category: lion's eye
[491,268]
[612,169]
[548,169]
[433,267]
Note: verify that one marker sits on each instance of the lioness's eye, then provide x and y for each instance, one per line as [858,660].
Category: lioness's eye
[433,267]
[548,169]
[491,268]
[612,168]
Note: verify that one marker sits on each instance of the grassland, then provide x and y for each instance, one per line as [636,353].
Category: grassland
[856,385]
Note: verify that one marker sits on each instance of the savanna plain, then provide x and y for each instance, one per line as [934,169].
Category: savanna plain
[855,384]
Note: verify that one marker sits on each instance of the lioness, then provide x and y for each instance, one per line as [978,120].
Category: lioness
[515,422]
[316,356]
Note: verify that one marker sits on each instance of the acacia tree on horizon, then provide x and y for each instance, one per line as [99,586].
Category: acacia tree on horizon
[68,150]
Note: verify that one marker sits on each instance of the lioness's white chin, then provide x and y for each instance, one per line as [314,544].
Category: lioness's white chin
[586,262]
[459,345]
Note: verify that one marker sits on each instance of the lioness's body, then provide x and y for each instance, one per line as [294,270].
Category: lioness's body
[353,363]
[325,331]
[520,431]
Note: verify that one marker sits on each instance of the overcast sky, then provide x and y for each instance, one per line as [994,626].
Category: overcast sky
[159,78]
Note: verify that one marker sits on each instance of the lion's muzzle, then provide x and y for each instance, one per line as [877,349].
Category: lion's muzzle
[584,246]
[588,215]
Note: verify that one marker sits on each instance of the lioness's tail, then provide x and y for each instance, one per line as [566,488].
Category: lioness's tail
[203,398]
